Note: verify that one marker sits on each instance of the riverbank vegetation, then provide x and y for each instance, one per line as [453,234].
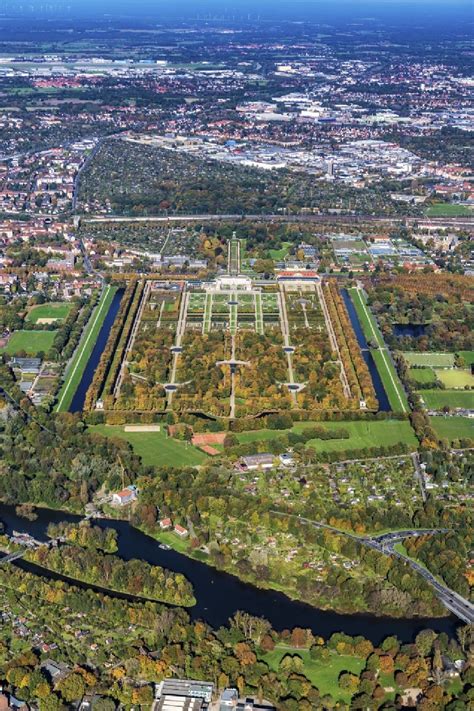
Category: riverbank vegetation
[134,577]
[85,535]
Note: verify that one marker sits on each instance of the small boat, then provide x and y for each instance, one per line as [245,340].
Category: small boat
[164,547]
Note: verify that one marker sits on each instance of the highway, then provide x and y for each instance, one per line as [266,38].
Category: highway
[385,543]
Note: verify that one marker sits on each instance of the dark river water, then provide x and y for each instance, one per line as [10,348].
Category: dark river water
[219,595]
[384,404]
[77,403]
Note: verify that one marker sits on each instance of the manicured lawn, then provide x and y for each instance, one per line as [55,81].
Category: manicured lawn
[56,310]
[422,375]
[155,448]
[468,356]
[452,428]
[362,434]
[323,676]
[437,399]
[280,253]
[83,351]
[456,378]
[32,342]
[435,360]
[446,209]
[391,382]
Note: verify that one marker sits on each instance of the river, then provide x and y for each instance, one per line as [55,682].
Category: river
[77,403]
[219,595]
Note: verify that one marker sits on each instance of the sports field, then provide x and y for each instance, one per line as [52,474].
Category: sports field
[453,428]
[54,310]
[83,351]
[433,360]
[456,378]
[155,448]
[381,356]
[446,209]
[362,434]
[437,399]
[422,375]
[31,342]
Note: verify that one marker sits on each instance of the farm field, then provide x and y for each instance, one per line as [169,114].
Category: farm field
[155,448]
[54,310]
[453,428]
[323,675]
[391,382]
[437,399]
[368,433]
[83,351]
[456,378]
[433,360]
[31,342]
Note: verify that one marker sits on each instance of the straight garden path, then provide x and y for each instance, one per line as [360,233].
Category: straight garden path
[333,340]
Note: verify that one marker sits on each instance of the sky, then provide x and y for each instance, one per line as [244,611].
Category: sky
[290,9]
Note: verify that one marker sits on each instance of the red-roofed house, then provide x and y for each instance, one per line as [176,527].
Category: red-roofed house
[180,531]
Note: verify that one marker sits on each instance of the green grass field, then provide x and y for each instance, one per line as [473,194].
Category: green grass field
[452,428]
[362,434]
[433,360]
[468,356]
[32,342]
[456,378]
[323,676]
[281,253]
[437,399]
[56,310]
[391,382]
[422,375]
[446,209]
[155,448]
[83,351]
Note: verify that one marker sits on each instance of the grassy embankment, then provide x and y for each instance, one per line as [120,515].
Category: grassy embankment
[391,382]
[83,351]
